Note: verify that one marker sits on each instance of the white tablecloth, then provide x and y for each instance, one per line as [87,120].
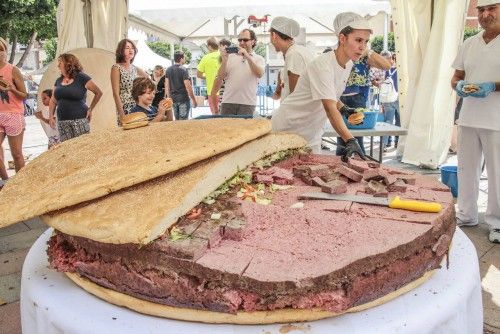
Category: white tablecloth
[449,302]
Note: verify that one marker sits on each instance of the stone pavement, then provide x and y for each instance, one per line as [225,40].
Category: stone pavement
[16,240]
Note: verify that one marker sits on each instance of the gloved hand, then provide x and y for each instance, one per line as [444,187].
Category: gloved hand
[351,147]
[458,88]
[485,89]
[346,111]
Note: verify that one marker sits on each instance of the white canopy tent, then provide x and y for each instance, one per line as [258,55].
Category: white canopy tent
[197,20]
[428,33]
[146,58]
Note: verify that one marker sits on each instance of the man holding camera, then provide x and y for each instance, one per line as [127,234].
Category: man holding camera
[241,69]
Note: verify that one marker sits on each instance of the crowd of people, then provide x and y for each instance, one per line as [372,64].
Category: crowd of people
[312,91]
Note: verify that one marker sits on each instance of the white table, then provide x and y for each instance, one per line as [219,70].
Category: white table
[449,302]
[381,129]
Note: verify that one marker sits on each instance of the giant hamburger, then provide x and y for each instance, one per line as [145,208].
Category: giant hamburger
[223,237]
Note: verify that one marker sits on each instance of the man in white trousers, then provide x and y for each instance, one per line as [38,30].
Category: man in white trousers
[478,64]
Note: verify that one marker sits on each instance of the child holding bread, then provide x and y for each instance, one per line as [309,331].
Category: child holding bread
[143,93]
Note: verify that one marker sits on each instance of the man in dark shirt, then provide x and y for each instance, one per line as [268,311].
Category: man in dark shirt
[178,87]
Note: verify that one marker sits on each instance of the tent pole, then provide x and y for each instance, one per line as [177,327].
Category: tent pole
[386,32]
[87,19]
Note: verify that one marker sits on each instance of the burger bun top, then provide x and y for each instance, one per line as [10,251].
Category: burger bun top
[134,117]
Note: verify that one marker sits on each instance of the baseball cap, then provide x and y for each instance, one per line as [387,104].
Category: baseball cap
[481,3]
[350,19]
[286,26]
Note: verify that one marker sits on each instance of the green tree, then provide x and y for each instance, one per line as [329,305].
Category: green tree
[260,49]
[163,49]
[377,43]
[469,32]
[27,21]
[50,47]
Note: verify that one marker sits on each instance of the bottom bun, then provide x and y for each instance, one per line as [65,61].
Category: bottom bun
[244,318]
[134,125]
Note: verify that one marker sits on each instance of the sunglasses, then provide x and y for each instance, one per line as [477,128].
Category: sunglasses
[244,39]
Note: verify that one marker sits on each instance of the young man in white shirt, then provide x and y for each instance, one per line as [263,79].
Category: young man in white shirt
[316,97]
[241,72]
[282,33]
[478,64]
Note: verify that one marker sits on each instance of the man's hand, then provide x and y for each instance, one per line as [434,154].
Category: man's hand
[352,147]
[347,111]
[485,89]
[459,89]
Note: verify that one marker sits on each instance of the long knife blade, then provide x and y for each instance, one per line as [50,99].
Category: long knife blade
[349,198]
[394,203]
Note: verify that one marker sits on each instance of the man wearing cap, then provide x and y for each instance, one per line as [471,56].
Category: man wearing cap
[316,97]
[241,72]
[282,33]
[477,80]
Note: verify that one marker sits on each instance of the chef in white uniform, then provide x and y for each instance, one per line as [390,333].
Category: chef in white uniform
[281,35]
[316,97]
[478,63]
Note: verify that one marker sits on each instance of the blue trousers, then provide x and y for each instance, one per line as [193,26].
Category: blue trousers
[391,113]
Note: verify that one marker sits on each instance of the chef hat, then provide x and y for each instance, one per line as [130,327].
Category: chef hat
[481,3]
[350,19]
[286,26]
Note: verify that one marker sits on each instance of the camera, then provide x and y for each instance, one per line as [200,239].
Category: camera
[232,49]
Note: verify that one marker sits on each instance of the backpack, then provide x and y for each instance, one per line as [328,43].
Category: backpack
[388,93]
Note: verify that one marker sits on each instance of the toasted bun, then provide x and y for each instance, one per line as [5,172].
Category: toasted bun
[134,117]
[111,219]
[242,318]
[356,118]
[133,125]
[96,164]
[470,88]
[3,83]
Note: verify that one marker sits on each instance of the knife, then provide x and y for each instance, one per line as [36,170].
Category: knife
[394,203]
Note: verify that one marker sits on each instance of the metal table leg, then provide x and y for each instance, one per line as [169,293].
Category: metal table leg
[381,151]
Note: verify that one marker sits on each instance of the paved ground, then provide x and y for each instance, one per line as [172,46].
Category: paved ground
[16,240]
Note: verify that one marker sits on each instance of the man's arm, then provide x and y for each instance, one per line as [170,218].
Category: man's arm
[351,145]
[377,61]
[457,76]
[200,74]
[336,119]
[254,67]
[189,88]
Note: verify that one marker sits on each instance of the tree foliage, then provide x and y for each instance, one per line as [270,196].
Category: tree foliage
[24,21]
[377,43]
[163,49]
[469,32]
[50,47]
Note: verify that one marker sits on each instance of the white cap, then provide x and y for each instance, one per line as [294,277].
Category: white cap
[286,26]
[481,3]
[350,19]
